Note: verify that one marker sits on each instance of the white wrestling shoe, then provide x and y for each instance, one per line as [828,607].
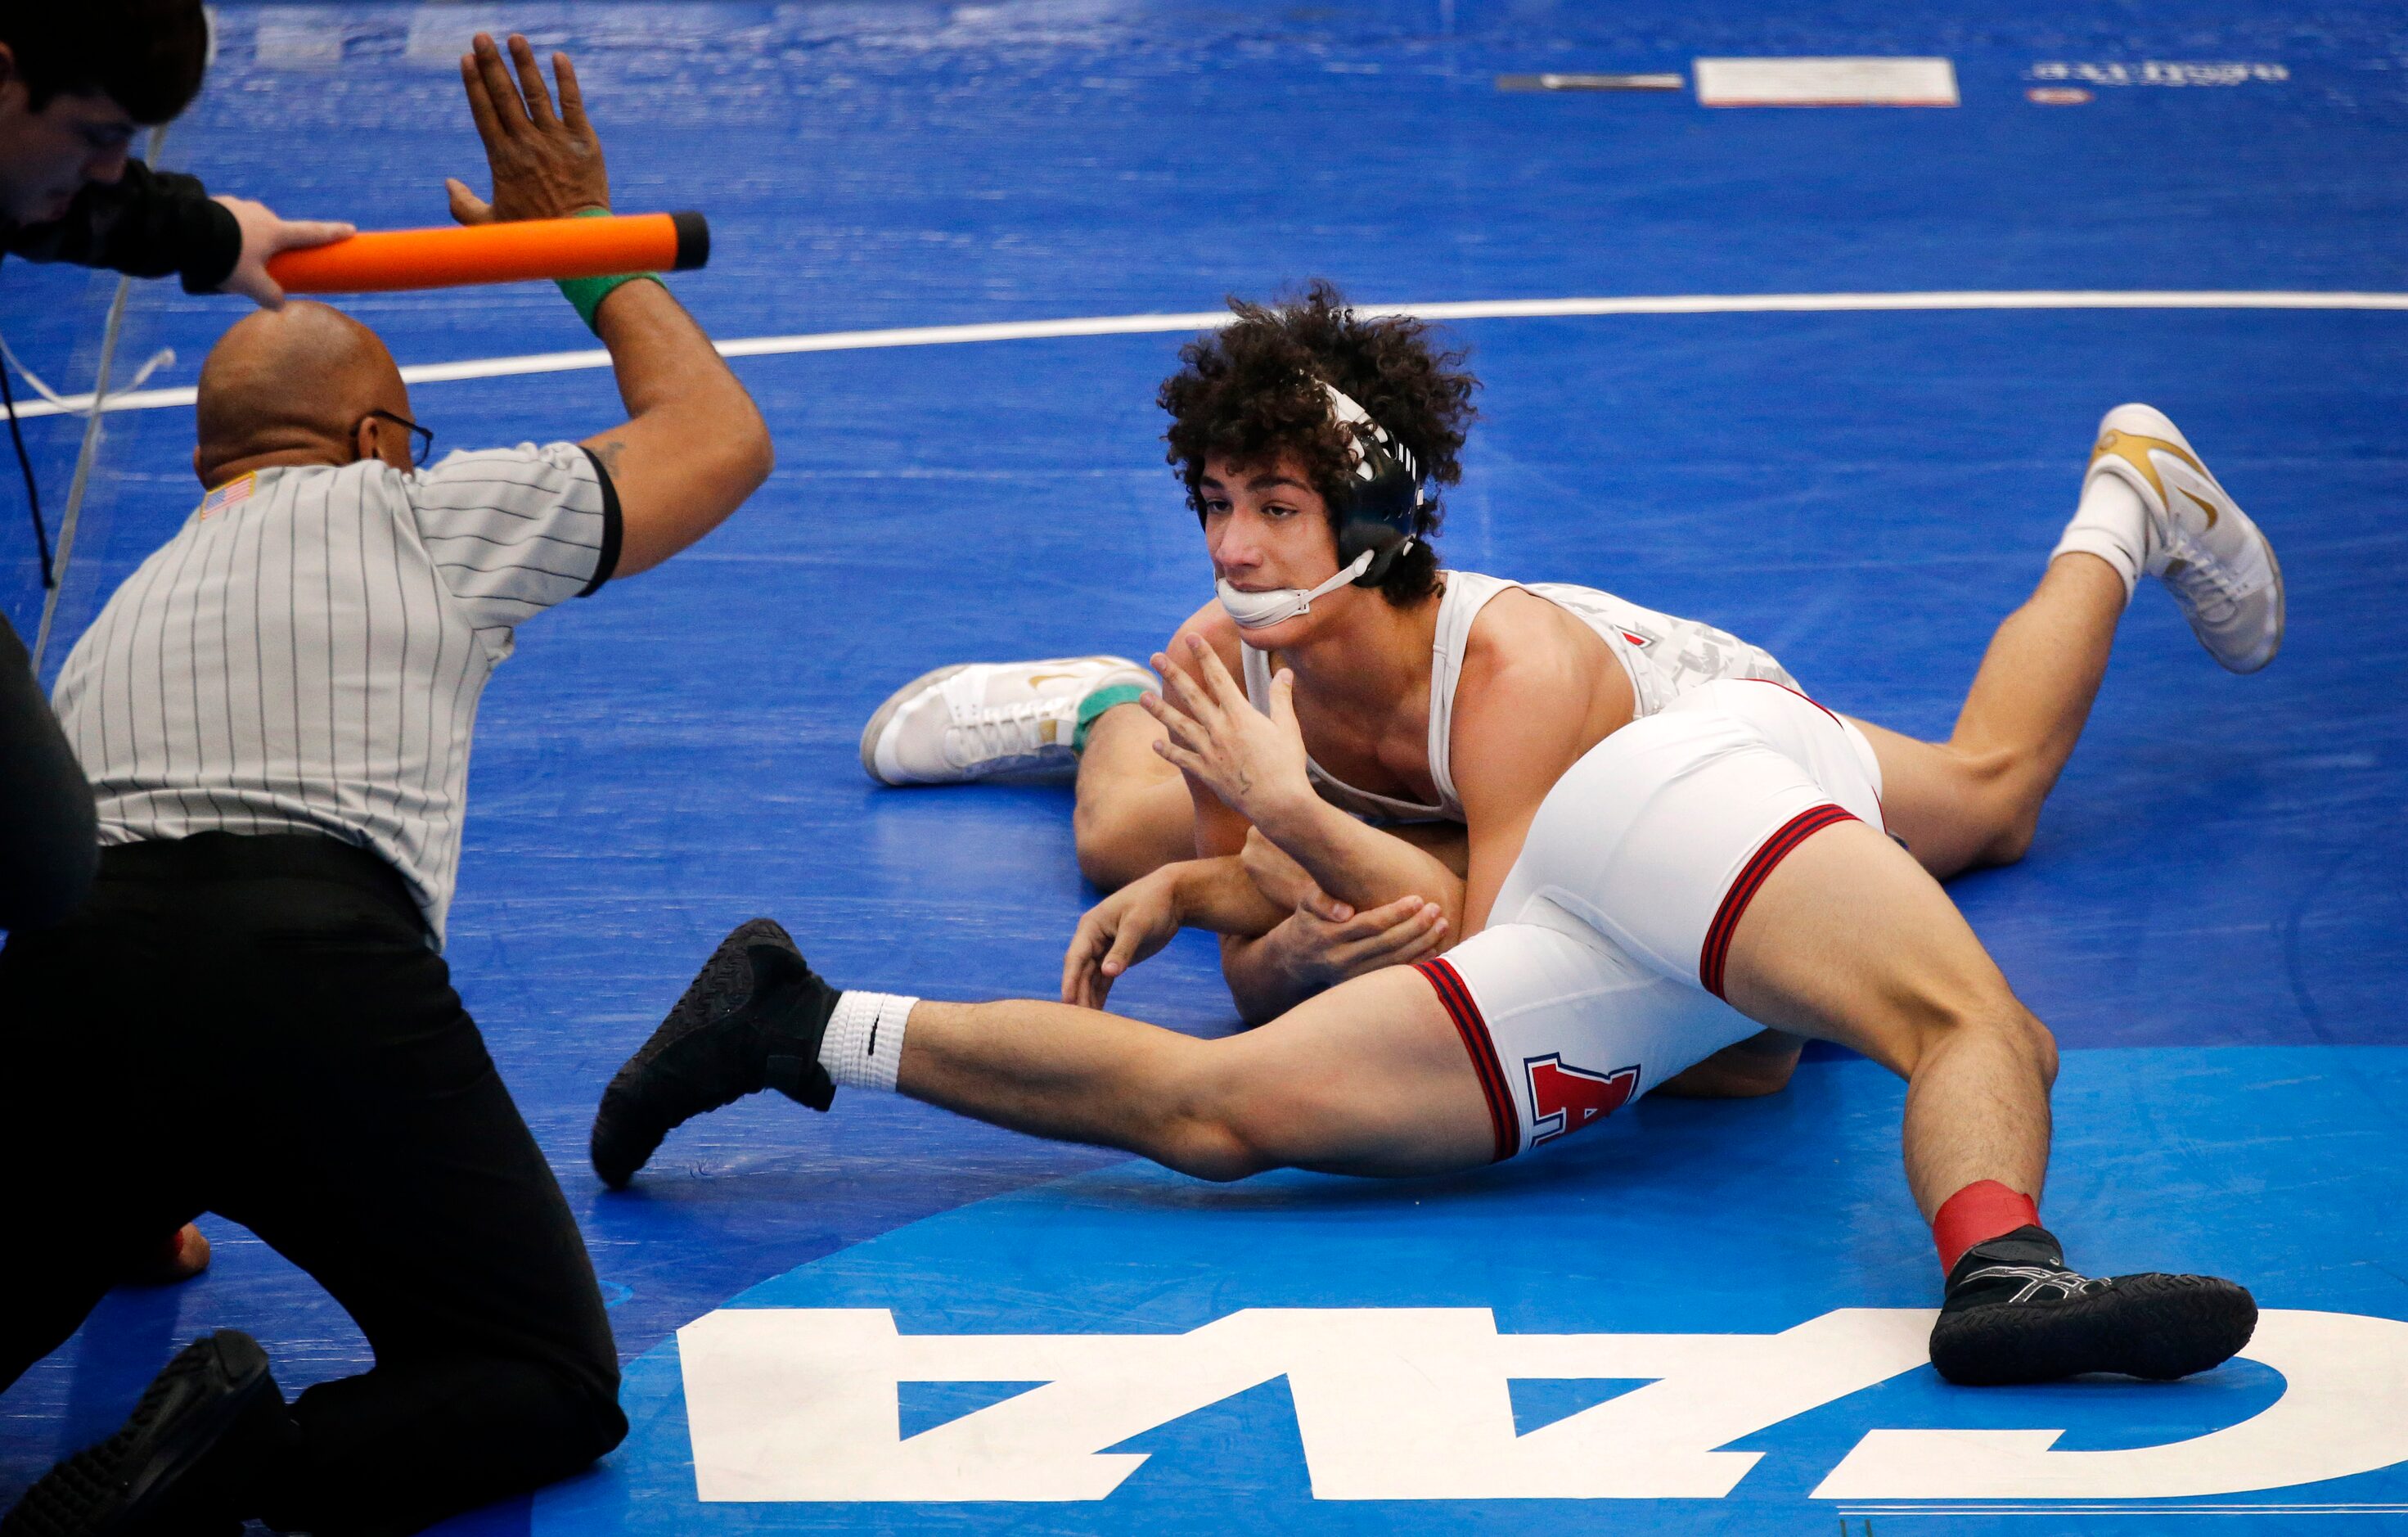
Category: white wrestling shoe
[2211,557]
[974,719]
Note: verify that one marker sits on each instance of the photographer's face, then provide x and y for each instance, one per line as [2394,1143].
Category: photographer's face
[47,157]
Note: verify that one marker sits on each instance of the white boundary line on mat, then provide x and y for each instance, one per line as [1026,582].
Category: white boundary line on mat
[1127,325]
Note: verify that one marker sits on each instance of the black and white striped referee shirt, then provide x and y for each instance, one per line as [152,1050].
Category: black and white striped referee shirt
[307,653]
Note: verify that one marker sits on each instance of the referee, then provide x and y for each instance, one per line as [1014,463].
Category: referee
[275,713]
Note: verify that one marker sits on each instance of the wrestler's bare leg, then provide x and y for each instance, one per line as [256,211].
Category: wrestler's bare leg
[1847,941]
[1133,814]
[1850,940]
[1975,798]
[1369,1077]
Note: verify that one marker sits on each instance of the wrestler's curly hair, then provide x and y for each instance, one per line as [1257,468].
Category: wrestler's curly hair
[1247,393]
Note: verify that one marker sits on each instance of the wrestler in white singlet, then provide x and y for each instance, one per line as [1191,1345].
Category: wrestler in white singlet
[1664,656]
[1599,974]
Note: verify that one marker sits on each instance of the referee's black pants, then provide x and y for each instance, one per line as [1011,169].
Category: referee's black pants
[255,1027]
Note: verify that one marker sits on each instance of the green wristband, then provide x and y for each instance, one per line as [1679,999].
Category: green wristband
[585,294]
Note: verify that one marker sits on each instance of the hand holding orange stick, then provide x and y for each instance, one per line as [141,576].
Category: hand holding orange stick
[550,216]
[497,253]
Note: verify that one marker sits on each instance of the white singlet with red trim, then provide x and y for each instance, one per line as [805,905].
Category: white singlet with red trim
[1600,973]
[1664,656]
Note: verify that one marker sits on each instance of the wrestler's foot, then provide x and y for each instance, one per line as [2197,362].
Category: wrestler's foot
[2015,1313]
[182,1257]
[751,1019]
[206,1425]
[2214,560]
[979,718]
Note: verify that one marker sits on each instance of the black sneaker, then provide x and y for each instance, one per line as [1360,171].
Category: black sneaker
[2015,1313]
[176,1464]
[751,1019]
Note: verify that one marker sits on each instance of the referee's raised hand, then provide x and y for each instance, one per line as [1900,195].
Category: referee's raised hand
[694,445]
[546,163]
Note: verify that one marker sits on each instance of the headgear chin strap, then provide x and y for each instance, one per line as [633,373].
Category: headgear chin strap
[1375,520]
[1258,610]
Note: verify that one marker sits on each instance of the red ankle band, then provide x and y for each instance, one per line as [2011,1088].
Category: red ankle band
[1977,1214]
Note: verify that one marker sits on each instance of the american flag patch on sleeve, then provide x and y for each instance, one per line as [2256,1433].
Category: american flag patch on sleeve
[236,490]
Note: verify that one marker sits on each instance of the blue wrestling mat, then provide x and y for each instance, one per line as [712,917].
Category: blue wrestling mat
[1696,1318]
[1720,1310]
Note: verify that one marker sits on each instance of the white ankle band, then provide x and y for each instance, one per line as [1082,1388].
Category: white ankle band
[863,1047]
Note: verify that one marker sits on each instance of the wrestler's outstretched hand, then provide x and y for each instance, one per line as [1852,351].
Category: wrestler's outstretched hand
[1255,763]
[1118,932]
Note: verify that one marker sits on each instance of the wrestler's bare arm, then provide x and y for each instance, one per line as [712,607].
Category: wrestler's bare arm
[1221,827]
[1321,940]
[1287,884]
[1319,937]
[1221,830]
[1311,941]
[1538,690]
[1247,768]
[1275,953]
[1142,917]
[1513,762]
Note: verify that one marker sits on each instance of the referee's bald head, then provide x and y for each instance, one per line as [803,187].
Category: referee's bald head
[297,386]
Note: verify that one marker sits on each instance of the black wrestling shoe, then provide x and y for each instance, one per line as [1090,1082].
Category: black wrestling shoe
[751,1019]
[175,1466]
[2015,1313]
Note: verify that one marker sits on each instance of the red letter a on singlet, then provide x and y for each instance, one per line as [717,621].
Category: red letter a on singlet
[1567,1098]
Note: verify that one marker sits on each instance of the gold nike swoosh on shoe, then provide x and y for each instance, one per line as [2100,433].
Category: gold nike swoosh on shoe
[2205,505]
[2134,450]
[1037,678]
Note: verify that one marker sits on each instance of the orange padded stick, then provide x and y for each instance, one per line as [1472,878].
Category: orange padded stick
[497,253]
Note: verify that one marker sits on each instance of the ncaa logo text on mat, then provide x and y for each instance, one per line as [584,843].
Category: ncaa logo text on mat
[1413,1403]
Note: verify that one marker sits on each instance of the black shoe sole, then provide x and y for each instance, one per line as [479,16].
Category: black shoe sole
[2156,1327]
[627,1128]
[125,1484]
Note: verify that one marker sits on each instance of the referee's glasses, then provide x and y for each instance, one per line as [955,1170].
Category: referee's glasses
[422,440]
